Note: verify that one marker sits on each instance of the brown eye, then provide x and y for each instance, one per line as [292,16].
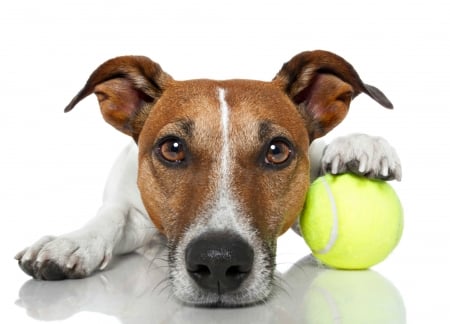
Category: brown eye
[172,150]
[278,153]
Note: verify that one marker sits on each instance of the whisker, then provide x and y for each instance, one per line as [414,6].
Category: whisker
[281,285]
[162,259]
[162,281]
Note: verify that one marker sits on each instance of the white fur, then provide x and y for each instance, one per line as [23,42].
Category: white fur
[225,154]
[225,205]
[122,224]
[374,155]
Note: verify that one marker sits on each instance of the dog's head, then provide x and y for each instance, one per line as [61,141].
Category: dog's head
[223,165]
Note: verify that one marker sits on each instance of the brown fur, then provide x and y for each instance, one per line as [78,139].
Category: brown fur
[308,97]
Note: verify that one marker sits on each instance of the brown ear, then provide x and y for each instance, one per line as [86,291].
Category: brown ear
[322,85]
[126,88]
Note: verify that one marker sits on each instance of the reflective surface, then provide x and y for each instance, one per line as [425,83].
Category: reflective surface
[134,289]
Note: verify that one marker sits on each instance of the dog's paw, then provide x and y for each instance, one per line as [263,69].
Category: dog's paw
[71,256]
[362,154]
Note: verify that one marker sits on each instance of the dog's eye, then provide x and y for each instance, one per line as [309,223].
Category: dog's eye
[172,150]
[278,153]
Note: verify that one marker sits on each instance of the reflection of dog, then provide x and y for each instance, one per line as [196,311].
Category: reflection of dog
[309,293]
[221,169]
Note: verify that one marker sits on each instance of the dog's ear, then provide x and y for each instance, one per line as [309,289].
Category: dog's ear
[322,84]
[126,88]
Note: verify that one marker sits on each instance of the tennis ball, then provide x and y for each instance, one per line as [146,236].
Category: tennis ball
[351,222]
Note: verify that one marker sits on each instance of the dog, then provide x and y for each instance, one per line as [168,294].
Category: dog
[220,169]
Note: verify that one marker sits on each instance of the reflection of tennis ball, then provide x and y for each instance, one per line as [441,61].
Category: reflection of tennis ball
[353,297]
[351,222]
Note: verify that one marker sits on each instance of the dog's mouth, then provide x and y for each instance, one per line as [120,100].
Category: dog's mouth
[221,269]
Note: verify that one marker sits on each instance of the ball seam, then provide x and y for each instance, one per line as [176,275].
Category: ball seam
[334,228]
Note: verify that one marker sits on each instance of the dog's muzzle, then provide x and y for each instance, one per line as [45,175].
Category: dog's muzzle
[219,262]
[221,267]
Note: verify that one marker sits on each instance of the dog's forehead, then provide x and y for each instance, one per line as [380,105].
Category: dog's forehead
[239,94]
[250,104]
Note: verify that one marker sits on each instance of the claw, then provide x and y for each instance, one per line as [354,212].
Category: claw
[106,259]
[19,255]
[384,167]
[72,262]
[398,175]
[42,256]
[335,164]
[363,162]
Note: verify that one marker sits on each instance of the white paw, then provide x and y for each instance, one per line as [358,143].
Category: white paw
[362,154]
[75,255]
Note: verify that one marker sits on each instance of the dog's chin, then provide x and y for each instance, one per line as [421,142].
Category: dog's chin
[192,295]
[257,288]
[236,300]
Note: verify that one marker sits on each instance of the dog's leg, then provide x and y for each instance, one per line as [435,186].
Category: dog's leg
[316,150]
[362,154]
[121,226]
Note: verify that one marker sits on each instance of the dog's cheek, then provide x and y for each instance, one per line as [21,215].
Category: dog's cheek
[151,196]
[155,192]
[278,200]
[172,197]
[294,197]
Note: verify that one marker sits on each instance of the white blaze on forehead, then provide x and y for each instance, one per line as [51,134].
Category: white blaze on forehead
[224,180]
[226,207]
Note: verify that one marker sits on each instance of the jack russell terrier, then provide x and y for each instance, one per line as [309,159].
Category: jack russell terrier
[221,169]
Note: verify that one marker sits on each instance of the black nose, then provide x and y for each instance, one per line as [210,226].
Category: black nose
[219,261]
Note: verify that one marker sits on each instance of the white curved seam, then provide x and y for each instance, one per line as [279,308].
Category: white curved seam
[334,215]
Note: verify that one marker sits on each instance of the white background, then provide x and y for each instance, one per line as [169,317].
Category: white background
[53,165]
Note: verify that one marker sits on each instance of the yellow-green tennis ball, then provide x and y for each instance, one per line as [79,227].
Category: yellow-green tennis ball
[351,222]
